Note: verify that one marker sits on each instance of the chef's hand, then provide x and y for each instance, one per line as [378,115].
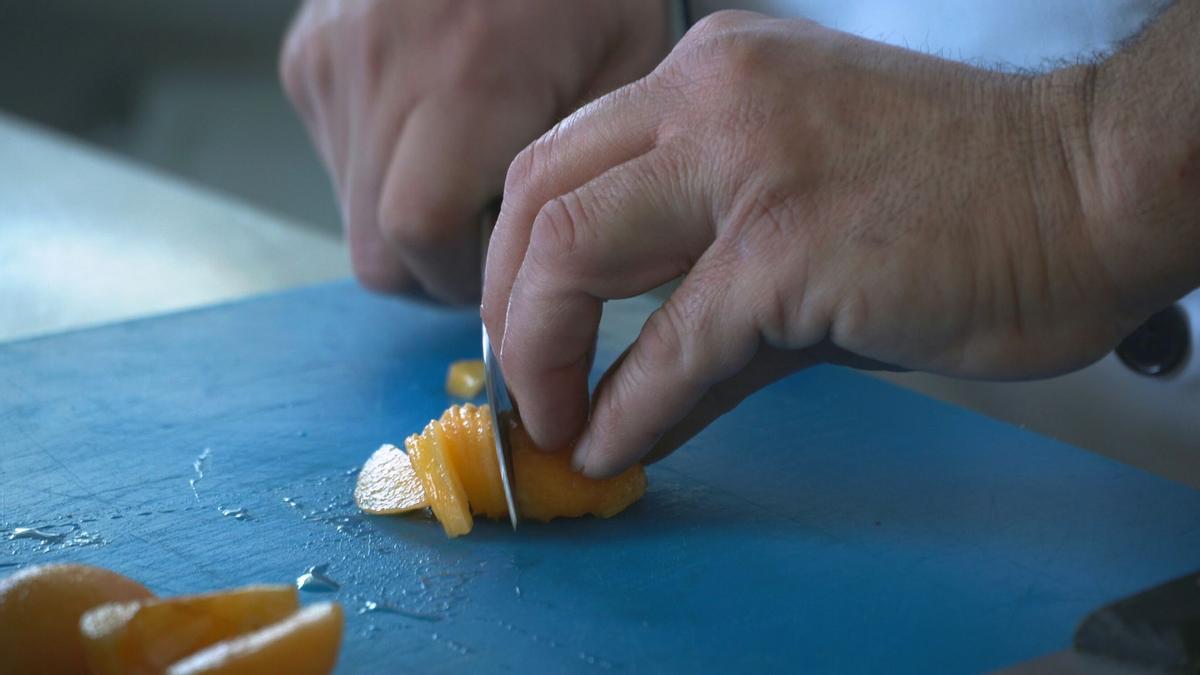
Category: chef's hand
[824,198]
[417,108]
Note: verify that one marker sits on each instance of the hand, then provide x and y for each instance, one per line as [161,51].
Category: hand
[824,198]
[417,108]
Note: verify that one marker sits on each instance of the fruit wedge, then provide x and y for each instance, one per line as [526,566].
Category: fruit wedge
[467,431]
[443,488]
[39,615]
[549,487]
[455,460]
[387,484]
[465,378]
[305,643]
[148,636]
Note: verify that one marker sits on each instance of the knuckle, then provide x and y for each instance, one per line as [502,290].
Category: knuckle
[740,59]
[417,229]
[528,169]
[664,338]
[558,234]
[520,174]
[376,40]
[294,58]
[720,22]
[303,51]
[375,275]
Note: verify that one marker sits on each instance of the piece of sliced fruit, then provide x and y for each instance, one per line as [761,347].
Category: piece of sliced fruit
[387,484]
[39,615]
[549,487]
[465,379]
[454,460]
[443,487]
[468,433]
[305,643]
[148,636]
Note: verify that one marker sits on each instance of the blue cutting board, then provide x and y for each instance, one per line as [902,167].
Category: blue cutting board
[833,523]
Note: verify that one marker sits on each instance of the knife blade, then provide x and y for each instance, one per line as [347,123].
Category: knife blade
[500,403]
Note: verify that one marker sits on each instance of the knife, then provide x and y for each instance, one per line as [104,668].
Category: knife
[500,403]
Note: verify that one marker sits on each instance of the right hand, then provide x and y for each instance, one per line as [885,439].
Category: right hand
[417,108]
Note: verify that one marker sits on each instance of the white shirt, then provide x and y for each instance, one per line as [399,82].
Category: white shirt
[1032,34]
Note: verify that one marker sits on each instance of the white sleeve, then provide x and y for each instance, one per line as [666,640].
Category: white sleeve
[1025,33]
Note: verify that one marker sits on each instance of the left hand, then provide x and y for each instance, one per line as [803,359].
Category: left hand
[825,198]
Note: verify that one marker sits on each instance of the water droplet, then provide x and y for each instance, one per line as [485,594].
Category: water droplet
[375,607]
[48,533]
[316,580]
[237,513]
[595,661]
[351,471]
[517,590]
[199,466]
[86,539]
[458,647]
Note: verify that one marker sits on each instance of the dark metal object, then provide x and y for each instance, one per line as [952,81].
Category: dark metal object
[1158,628]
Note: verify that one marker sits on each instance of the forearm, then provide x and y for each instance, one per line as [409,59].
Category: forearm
[1143,138]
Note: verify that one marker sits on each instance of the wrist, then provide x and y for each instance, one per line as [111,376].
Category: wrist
[1139,216]
[1130,226]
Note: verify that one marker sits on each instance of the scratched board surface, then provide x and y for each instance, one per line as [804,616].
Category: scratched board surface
[832,523]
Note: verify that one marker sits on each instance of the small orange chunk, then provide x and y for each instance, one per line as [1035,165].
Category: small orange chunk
[456,461]
[443,487]
[465,378]
[148,636]
[388,484]
[468,433]
[549,487]
[305,643]
[40,609]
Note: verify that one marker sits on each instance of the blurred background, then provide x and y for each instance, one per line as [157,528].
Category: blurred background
[186,86]
[149,162]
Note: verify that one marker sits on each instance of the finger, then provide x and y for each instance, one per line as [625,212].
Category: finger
[603,134]
[768,365]
[449,165]
[616,236]
[306,73]
[378,262]
[700,337]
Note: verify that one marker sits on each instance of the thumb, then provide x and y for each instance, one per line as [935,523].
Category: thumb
[769,365]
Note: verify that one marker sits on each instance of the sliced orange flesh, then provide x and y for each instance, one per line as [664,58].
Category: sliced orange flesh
[443,487]
[305,643]
[39,615]
[454,459]
[468,433]
[388,484]
[148,636]
[465,378]
[548,487]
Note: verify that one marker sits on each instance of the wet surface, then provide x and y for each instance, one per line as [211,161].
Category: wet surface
[769,543]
